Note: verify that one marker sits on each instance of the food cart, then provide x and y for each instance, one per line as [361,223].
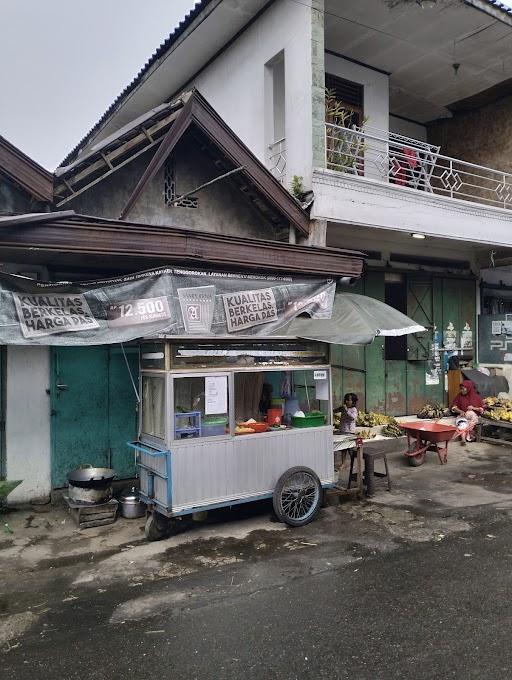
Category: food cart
[196,449]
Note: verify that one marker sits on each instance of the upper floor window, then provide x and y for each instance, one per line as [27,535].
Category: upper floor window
[350,96]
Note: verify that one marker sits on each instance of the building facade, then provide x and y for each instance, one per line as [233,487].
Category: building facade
[191,195]
[364,106]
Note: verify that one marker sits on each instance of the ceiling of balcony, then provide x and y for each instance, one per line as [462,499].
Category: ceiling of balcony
[418,46]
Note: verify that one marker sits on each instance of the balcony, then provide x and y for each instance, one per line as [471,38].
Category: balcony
[411,163]
[383,179]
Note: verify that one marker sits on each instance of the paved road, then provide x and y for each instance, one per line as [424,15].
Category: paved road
[433,610]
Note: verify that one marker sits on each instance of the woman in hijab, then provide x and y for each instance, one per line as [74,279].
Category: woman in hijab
[467,405]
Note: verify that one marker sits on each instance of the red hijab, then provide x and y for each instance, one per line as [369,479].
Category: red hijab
[472,398]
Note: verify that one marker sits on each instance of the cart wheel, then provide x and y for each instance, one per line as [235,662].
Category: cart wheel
[416,461]
[297,496]
[157,527]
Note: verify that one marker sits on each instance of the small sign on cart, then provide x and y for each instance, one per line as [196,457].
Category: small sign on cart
[320,375]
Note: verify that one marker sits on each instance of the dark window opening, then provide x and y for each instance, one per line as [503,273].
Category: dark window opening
[171,196]
[350,95]
[395,349]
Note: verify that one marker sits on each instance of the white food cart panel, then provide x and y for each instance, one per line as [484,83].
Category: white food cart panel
[207,472]
[159,487]
[156,463]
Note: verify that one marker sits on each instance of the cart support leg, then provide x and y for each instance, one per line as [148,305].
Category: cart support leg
[369,469]
[387,472]
[360,468]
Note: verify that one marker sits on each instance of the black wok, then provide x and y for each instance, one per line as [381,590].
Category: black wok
[91,477]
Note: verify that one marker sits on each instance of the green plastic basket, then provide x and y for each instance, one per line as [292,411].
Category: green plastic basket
[309,420]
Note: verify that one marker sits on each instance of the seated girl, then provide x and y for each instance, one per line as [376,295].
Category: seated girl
[467,405]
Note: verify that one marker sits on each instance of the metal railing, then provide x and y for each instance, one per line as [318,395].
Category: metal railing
[393,158]
[276,159]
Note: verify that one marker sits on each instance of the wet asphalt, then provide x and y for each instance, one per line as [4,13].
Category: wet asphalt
[440,609]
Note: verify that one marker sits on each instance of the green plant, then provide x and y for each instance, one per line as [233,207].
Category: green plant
[344,147]
[297,187]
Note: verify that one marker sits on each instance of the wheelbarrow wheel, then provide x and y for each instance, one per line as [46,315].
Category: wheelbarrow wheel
[157,527]
[416,461]
[297,496]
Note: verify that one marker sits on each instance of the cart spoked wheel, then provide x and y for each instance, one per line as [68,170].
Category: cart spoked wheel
[157,527]
[297,496]
[416,461]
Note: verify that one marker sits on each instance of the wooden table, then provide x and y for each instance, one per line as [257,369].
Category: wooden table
[493,423]
[344,442]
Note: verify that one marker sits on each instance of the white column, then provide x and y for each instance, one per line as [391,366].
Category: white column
[27,426]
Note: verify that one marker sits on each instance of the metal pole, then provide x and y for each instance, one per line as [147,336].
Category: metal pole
[130,373]
[207,184]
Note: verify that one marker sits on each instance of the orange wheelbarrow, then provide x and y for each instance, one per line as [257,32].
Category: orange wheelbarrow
[424,436]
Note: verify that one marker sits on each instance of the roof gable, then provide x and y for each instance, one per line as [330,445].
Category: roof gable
[189,113]
[25,172]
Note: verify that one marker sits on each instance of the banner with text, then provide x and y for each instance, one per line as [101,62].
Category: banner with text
[166,301]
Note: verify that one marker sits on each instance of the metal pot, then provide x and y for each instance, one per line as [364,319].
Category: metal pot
[88,477]
[131,505]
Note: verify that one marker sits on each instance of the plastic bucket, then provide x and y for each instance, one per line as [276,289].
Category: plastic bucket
[274,416]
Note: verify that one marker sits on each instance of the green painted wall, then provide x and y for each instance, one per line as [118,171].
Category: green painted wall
[399,387]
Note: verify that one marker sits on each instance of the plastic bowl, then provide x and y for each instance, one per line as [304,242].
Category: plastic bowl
[257,427]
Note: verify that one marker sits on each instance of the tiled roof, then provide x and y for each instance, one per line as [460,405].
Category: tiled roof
[500,5]
[182,26]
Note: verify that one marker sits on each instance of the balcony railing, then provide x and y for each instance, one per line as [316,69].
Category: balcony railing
[276,159]
[407,162]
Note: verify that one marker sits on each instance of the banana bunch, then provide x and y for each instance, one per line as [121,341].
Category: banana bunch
[366,434]
[499,414]
[495,403]
[433,411]
[372,419]
[392,429]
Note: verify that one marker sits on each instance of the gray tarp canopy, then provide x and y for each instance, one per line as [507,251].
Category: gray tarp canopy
[356,320]
[198,303]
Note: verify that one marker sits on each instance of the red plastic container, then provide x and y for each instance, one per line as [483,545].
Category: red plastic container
[274,416]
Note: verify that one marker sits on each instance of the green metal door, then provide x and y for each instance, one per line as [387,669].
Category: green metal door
[423,308]
[93,410]
[79,398]
[374,353]
[396,388]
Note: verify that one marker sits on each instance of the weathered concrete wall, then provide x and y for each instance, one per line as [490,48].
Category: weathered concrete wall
[221,208]
[407,128]
[15,200]
[482,136]
[234,84]
[27,430]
